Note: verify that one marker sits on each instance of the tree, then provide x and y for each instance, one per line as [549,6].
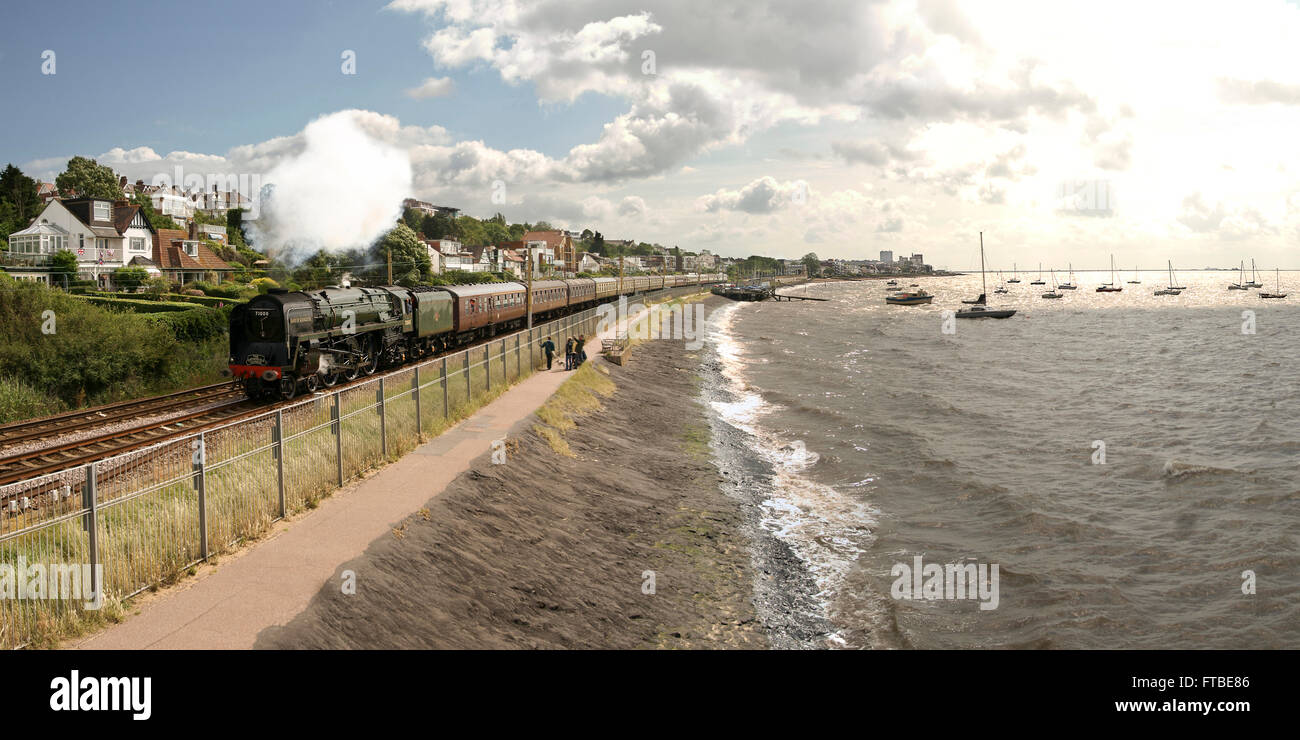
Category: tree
[811,264]
[495,232]
[130,277]
[64,263]
[543,226]
[412,218]
[19,201]
[89,179]
[411,264]
[472,233]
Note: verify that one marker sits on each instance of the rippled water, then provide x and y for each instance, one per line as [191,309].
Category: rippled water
[891,439]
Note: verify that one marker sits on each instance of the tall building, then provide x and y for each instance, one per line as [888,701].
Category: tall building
[886,256]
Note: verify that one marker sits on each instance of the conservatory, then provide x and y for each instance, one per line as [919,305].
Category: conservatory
[36,244]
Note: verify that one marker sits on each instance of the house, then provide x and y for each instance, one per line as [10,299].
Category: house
[560,246]
[47,192]
[588,262]
[184,260]
[211,232]
[429,209]
[173,202]
[103,234]
[512,262]
[217,202]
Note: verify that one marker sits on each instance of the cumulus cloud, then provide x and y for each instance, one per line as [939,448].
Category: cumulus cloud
[764,195]
[433,87]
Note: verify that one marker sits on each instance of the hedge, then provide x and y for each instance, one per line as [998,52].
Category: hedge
[138,305]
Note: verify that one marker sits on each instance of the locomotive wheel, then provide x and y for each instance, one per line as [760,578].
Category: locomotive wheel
[330,379]
[371,362]
[351,373]
[288,388]
[313,382]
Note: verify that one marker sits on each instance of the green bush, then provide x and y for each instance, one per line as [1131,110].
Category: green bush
[196,324]
[264,284]
[18,400]
[91,354]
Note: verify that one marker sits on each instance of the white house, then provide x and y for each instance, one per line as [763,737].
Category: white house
[103,234]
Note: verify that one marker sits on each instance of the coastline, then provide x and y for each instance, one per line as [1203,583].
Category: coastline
[551,551]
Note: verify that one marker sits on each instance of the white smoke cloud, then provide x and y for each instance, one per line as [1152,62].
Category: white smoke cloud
[343,189]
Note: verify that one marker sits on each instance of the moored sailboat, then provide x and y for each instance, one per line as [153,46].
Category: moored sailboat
[1052,293]
[1069,284]
[1039,281]
[1278,283]
[1172,289]
[982,311]
[1110,287]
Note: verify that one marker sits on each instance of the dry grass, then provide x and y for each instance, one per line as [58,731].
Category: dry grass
[579,396]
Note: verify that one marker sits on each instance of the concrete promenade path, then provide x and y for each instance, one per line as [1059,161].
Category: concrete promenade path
[271,581]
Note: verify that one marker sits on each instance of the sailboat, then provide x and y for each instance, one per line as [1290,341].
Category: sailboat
[1254,278]
[1110,287]
[1052,293]
[1069,284]
[1173,278]
[1001,288]
[1239,285]
[1279,294]
[1039,281]
[981,311]
[1013,279]
[1172,289]
[1135,274]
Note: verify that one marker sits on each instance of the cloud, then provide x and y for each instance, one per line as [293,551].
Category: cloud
[764,195]
[433,87]
[1257,92]
[1225,221]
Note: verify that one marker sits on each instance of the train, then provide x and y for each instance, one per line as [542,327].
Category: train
[286,343]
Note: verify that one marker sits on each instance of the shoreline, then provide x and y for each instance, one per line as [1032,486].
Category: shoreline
[551,551]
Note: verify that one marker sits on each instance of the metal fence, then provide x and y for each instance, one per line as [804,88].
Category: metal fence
[147,516]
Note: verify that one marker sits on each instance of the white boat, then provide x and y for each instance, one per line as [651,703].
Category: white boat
[1254,277]
[1241,273]
[1039,281]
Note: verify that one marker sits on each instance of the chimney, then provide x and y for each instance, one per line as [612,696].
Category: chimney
[194,230]
[121,181]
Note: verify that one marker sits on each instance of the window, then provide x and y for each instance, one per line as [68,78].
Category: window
[101,210]
[137,244]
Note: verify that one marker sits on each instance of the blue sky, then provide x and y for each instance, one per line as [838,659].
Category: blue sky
[177,76]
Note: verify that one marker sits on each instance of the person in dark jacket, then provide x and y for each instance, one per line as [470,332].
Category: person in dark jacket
[548,347]
[578,351]
[568,354]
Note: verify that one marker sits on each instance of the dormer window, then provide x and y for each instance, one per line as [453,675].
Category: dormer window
[101,210]
[191,248]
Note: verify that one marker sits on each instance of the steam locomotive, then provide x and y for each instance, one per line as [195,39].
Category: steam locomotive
[282,343]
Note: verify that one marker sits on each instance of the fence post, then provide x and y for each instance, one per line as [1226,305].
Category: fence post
[415,388]
[505,375]
[279,456]
[383,420]
[337,416]
[445,410]
[92,524]
[469,391]
[519,355]
[200,484]
[487,365]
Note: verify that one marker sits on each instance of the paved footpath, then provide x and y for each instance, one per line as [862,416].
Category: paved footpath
[269,583]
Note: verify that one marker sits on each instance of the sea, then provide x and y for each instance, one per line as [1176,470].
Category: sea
[1121,468]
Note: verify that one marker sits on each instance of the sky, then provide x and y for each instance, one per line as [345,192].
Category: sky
[1065,132]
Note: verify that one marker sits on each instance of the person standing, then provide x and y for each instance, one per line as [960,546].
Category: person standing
[581,355]
[568,354]
[548,347]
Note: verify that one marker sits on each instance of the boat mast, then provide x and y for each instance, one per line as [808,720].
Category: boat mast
[983,281]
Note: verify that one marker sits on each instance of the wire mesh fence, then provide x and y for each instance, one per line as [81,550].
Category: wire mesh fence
[106,531]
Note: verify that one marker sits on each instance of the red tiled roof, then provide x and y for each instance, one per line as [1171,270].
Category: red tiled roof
[553,239]
[170,255]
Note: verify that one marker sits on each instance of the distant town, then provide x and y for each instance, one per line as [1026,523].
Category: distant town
[93,230]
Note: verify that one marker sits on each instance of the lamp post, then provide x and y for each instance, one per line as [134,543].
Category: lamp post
[528,291]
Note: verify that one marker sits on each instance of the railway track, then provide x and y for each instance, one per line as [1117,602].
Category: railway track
[72,421]
[74,453]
